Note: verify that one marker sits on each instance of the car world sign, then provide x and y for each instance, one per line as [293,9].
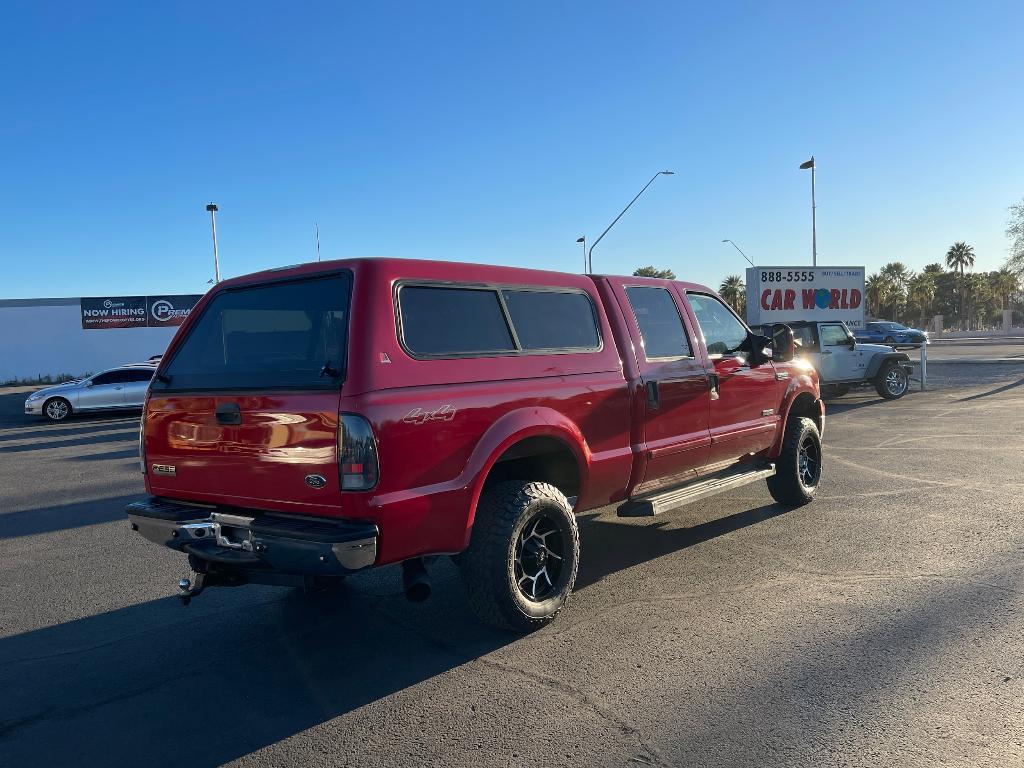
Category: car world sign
[136,311]
[785,294]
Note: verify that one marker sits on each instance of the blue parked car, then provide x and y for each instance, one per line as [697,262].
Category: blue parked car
[894,334]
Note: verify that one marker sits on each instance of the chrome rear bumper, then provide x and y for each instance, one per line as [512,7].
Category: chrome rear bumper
[257,541]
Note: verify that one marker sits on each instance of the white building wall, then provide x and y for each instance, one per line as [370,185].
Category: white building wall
[48,339]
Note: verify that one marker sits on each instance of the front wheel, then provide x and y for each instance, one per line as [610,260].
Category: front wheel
[798,468]
[892,382]
[57,409]
[523,555]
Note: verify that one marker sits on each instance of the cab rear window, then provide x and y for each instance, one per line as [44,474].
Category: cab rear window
[282,335]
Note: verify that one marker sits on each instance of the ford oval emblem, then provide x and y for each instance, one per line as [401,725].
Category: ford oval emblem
[316,481]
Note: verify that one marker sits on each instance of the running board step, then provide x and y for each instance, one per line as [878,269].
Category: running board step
[687,494]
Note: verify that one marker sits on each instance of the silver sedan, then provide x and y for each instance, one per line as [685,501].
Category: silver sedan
[115,389]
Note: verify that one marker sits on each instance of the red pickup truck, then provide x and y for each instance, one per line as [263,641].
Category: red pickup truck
[316,420]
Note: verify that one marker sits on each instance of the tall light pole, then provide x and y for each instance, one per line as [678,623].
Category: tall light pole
[814,213]
[584,241]
[317,224]
[590,253]
[727,240]
[212,208]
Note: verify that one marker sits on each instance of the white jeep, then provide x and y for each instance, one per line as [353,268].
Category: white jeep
[842,362]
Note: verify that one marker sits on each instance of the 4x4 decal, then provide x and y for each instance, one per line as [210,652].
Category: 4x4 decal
[420,416]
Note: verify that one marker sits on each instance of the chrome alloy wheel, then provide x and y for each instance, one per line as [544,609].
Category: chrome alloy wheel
[539,557]
[57,409]
[896,381]
[809,462]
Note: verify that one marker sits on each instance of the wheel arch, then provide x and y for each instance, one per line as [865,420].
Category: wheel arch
[521,446]
[880,359]
[802,399]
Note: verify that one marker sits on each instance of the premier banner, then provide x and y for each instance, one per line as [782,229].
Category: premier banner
[136,311]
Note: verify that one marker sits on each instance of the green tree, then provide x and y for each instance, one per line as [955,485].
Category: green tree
[876,290]
[649,271]
[897,279]
[960,258]
[1015,231]
[921,294]
[734,292]
[1004,284]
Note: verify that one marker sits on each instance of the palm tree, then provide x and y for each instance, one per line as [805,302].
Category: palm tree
[921,291]
[733,291]
[898,277]
[1004,285]
[875,289]
[649,271]
[960,257]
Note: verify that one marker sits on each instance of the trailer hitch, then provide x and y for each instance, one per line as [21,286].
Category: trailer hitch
[190,590]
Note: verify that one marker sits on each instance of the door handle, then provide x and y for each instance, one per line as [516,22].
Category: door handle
[653,395]
[714,383]
[118,387]
[826,351]
[229,413]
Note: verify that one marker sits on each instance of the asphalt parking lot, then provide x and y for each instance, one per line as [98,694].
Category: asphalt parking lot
[881,625]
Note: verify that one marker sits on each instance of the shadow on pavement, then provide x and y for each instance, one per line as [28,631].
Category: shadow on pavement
[155,684]
[182,686]
[608,547]
[998,390]
[62,517]
[129,434]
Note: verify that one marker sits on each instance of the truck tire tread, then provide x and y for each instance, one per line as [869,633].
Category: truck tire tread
[485,562]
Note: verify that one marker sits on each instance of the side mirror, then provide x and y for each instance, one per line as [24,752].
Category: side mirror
[853,342]
[760,349]
[783,343]
[87,383]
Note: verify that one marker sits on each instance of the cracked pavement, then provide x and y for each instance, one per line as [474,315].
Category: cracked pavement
[880,625]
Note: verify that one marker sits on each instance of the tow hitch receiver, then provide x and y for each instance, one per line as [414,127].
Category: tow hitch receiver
[190,590]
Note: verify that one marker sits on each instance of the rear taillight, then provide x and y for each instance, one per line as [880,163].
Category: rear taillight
[142,443]
[357,453]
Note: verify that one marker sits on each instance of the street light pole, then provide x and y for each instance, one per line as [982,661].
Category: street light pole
[814,213]
[727,240]
[212,208]
[317,224]
[584,241]
[590,253]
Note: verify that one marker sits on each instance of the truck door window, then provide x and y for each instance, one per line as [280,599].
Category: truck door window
[723,333]
[833,336]
[661,327]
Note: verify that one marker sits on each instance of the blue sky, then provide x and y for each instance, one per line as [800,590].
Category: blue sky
[479,132]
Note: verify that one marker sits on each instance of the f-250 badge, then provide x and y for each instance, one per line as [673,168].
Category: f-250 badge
[420,416]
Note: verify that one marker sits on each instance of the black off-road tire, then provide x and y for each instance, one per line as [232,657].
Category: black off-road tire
[886,388]
[57,409]
[791,484]
[490,567]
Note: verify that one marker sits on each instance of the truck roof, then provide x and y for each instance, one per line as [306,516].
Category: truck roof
[439,270]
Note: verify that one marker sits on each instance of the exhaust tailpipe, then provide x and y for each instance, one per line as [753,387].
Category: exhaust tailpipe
[415,580]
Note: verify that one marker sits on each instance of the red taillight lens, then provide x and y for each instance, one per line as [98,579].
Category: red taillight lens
[357,453]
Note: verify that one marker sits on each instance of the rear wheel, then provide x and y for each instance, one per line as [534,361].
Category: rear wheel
[892,381]
[523,554]
[890,340]
[798,469]
[57,409]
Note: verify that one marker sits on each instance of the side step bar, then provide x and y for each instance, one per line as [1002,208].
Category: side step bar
[700,489]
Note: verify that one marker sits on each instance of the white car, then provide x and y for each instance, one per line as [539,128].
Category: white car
[115,389]
[842,362]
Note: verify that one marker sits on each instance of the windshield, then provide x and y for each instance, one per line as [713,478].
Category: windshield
[285,335]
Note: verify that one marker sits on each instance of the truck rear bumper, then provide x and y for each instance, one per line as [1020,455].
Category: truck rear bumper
[248,540]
